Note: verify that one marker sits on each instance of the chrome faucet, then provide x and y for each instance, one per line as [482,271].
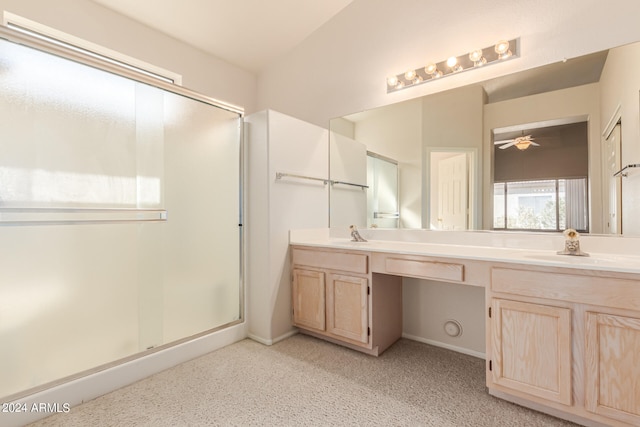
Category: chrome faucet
[572,243]
[355,235]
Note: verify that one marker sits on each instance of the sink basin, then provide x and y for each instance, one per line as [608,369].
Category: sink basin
[583,260]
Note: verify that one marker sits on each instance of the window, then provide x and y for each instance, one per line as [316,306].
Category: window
[551,205]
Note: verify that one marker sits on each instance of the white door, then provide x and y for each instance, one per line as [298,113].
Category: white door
[453,190]
[612,186]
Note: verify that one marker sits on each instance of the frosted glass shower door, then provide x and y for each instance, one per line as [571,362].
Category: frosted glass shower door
[119,210]
[382,194]
[201,247]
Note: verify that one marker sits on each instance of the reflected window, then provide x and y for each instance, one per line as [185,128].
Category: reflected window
[548,205]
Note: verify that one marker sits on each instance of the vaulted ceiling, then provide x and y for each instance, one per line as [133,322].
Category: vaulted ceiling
[247,33]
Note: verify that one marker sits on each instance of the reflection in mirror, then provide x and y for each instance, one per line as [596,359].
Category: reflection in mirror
[540,178]
[382,194]
[347,164]
[451,178]
[599,92]
[393,132]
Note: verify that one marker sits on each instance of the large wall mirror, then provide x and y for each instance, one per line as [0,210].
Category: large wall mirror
[538,150]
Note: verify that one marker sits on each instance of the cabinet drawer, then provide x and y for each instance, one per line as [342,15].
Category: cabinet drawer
[422,268]
[330,260]
[607,291]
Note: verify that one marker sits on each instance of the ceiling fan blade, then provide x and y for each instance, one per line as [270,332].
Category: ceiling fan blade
[510,144]
[504,141]
[533,143]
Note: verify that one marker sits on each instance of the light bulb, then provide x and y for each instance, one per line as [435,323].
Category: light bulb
[475,55]
[453,64]
[432,70]
[502,49]
[400,85]
[477,58]
[392,81]
[417,79]
[410,75]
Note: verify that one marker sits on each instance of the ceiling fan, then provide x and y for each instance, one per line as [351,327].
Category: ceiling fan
[521,142]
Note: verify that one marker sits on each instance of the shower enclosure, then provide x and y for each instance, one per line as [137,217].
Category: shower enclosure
[120,213]
[382,195]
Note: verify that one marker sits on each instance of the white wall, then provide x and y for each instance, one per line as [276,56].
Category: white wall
[344,127]
[428,304]
[85,19]
[341,68]
[278,143]
[619,86]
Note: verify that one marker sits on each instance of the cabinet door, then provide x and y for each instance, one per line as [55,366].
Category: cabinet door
[532,349]
[612,367]
[309,299]
[347,307]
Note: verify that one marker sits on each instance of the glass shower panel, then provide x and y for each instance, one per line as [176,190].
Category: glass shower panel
[68,300]
[68,293]
[382,194]
[90,273]
[201,247]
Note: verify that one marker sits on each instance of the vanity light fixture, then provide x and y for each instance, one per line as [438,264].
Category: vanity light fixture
[501,51]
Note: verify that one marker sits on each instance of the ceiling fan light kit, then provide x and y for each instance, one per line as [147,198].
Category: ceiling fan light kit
[503,50]
[521,143]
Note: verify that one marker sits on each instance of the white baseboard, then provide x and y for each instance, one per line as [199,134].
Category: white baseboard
[266,341]
[445,345]
[91,386]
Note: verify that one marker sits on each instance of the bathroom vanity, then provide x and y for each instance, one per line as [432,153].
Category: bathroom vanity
[562,332]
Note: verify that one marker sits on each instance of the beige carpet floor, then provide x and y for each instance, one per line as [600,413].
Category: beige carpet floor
[303,381]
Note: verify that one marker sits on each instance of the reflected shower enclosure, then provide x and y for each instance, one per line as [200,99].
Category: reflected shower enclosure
[382,195]
[119,210]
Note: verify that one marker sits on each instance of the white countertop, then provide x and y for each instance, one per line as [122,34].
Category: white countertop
[483,248]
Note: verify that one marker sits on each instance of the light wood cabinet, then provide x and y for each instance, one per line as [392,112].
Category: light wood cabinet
[566,342]
[309,293]
[336,297]
[348,307]
[532,349]
[333,303]
[612,366]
